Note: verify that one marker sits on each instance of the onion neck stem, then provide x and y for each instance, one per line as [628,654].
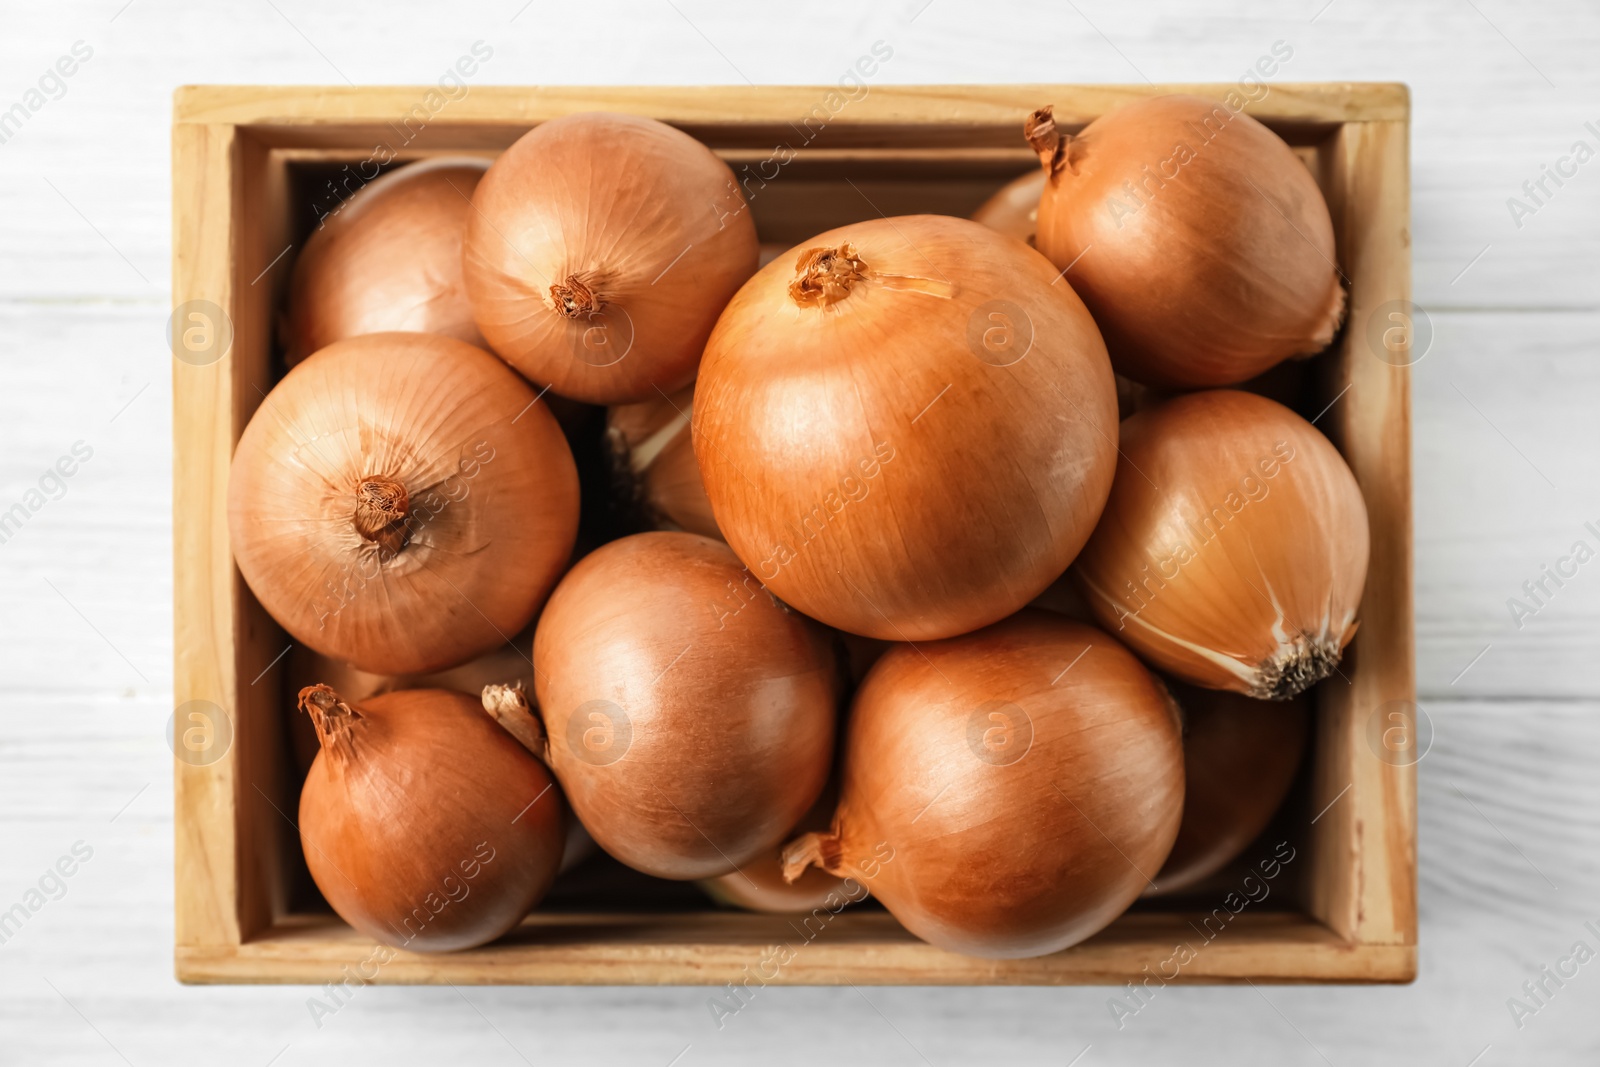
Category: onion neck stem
[576,298]
[334,720]
[382,506]
[825,276]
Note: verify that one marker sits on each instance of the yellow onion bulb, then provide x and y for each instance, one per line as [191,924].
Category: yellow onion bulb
[425,825]
[759,885]
[1200,243]
[1014,209]
[389,259]
[906,427]
[1233,551]
[599,252]
[399,502]
[1239,759]
[690,715]
[1006,793]
[655,479]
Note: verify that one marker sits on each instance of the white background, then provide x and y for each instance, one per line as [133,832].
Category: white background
[1507,454]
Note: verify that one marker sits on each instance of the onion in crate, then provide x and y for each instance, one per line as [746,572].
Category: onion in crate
[1006,793]
[690,714]
[906,427]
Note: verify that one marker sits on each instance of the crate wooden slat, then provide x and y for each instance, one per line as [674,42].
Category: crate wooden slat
[938,148]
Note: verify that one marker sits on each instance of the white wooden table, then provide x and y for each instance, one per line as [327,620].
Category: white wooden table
[1507,458]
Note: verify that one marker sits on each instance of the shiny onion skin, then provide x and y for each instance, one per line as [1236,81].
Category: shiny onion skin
[1007,793]
[1199,241]
[690,716]
[1014,210]
[1239,759]
[654,474]
[399,503]
[905,429]
[426,825]
[389,259]
[759,886]
[1233,550]
[600,251]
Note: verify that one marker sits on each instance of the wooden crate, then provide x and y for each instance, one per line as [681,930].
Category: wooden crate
[893,150]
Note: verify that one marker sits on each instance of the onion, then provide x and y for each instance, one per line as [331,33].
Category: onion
[905,428]
[1201,244]
[690,714]
[424,824]
[759,884]
[1233,550]
[1014,210]
[1239,759]
[654,473]
[390,259]
[400,502]
[599,252]
[1007,793]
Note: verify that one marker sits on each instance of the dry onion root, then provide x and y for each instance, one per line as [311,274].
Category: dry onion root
[690,714]
[399,502]
[1239,759]
[1202,246]
[1233,551]
[390,259]
[655,478]
[1007,793]
[1014,209]
[906,430]
[599,252]
[426,825]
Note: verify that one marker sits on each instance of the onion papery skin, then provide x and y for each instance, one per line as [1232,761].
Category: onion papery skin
[1205,252]
[655,477]
[1239,759]
[1006,793]
[600,251]
[1014,209]
[690,715]
[920,441]
[425,825]
[389,259]
[1233,551]
[759,885]
[482,474]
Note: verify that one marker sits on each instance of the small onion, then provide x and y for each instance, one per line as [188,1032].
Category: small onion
[1233,550]
[759,884]
[1201,244]
[1014,210]
[655,478]
[690,715]
[389,259]
[906,428]
[601,249]
[1007,793]
[426,825]
[399,502]
[1239,759]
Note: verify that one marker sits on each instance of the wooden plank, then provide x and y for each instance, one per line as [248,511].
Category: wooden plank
[927,107]
[1363,881]
[865,948]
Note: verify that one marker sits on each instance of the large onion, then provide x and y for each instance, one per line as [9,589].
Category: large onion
[1233,550]
[907,427]
[690,715]
[654,474]
[1006,793]
[1201,244]
[400,502]
[600,251]
[389,259]
[426,825]
[1239,759]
